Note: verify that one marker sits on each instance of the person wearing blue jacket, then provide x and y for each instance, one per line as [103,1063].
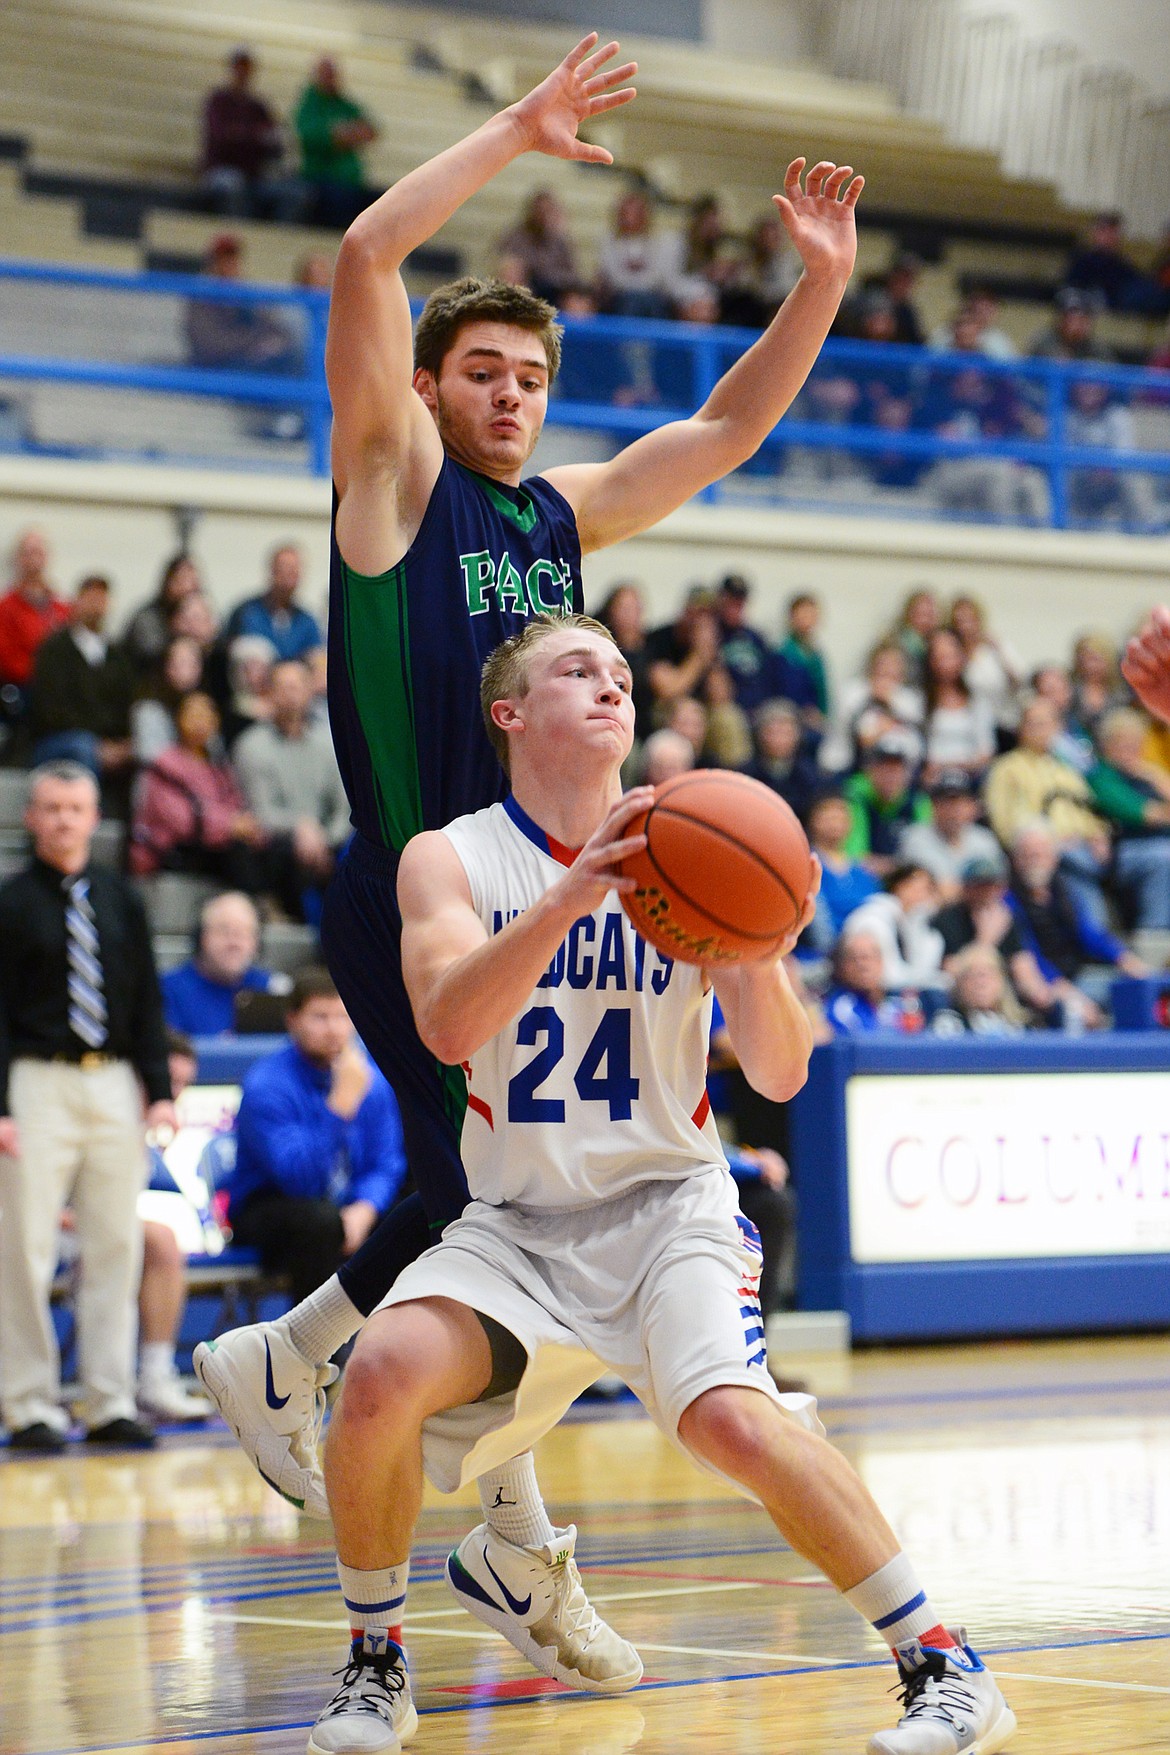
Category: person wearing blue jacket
[319,1155]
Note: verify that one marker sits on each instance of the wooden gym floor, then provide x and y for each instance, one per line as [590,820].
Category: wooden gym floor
[173,1603]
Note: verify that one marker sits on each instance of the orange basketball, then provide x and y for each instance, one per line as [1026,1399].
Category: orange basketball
[725,870]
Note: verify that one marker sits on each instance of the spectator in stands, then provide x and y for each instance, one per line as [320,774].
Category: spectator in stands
[333,130]
[743,650]
[953,836]
[152,717]
[857,1003]
[1097,686]
[918,621]
[981,1001]
[1072,332]
[706,263]
[901,918]
[291,782]
[623,613]
[243,144]
[978,314]
[991,669]
[82,1039]
[800,672]
[665,755]
[80,695]
[780,759]
[764,276]
[320,1155]
[1099,418]
[888,393]
[959,731]
[1063,936]
[148,630]
[275,613]
[688,718]
[974,403]
[1133,795]
[29,610]
[876,705]
[637,266]
[728,743]
[199,996]
[191,816]
[882,802]
[239,335]
[176,1222]
[538,252]
[1073,743]
[1028,783]
[251,659]
[196,619]
[902,277]
[981,916]
[1102,266]
[680,653]
[845,882]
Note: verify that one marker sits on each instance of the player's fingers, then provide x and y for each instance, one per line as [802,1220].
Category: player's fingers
[612,100]
[838,180]
[575,56]
[816,869]
[854,190]
[598,59]
[786,211]
[792,178]
[612,76]
[590,155]
[813,182]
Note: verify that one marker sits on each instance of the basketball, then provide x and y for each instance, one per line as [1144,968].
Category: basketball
[725,870]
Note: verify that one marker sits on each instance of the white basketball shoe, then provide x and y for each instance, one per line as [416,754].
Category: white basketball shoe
[274,1402]
[535,1598]
[372,1712]
[952,1704]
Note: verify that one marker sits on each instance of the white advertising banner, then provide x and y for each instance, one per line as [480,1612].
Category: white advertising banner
[954,1167]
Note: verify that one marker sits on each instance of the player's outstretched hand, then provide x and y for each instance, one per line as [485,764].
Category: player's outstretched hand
[1146,665]
[597,868]
[573,93]
[819,218]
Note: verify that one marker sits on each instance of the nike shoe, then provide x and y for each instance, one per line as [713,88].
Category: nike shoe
[274,1402]
[953,1705]
[535,1598]
[372,1712]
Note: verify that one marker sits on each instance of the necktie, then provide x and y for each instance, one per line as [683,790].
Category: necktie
[87,999]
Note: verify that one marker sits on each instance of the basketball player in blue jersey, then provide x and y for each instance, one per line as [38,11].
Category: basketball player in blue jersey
[440,551]
[603,1223]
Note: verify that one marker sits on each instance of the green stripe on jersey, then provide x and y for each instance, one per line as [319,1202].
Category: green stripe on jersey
[377,658]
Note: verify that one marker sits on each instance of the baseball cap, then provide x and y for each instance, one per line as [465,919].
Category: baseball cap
[952,783]
[986,868]
[890,747]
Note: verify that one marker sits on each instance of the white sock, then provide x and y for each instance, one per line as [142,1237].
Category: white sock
[374,1602]
[322,1322]
[156,1361]
[897,1607]
[512,1503]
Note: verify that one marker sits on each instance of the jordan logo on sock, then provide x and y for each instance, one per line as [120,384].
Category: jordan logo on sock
[500,1500]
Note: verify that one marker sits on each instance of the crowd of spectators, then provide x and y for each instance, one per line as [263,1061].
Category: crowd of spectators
[956,802]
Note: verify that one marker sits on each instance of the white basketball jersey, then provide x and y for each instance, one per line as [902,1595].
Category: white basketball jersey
[600,1082]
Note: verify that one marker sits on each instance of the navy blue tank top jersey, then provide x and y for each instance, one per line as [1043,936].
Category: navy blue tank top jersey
[406,648]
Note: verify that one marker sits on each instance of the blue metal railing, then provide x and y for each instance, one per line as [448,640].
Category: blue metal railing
[624,377]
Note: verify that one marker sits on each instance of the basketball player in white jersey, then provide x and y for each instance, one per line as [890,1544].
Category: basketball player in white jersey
[603,1223]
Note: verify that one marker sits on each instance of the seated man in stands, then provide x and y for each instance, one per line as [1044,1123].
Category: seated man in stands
[1134,796]
[30,610]
[243,144]
[333,131]
[883,801]
[980,915]
[319,1143]
[81,692]
[857,1002]
[291,630]
[199,997]
[953,837]
[240,335]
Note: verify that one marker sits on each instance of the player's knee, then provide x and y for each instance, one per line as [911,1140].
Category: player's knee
[733,1429]
[384,1379]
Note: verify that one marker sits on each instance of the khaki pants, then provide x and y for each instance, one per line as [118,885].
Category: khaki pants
[81,1145]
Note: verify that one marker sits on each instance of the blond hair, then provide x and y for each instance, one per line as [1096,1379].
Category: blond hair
[505,673]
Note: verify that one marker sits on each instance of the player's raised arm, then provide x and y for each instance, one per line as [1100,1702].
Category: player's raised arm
[377,421]
[662,470]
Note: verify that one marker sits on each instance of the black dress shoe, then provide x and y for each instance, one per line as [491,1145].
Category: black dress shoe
[38,1436]
[123,1434]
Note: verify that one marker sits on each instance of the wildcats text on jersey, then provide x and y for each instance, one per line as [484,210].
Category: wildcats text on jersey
[588,958]
[545,589]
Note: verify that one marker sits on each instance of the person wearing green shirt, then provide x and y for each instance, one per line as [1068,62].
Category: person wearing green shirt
[801,667]
[332,130]
[882,801]
[1134,797]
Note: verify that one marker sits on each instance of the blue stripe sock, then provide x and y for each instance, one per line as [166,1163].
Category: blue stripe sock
[374,1600]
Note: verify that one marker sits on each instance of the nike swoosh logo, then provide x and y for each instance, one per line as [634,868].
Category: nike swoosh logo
[270,1395]
[517,1607]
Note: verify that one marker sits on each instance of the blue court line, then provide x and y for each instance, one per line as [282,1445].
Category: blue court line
[643,1688]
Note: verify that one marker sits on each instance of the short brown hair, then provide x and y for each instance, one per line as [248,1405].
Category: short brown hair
[505,674]
[314,982]
[450,308]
